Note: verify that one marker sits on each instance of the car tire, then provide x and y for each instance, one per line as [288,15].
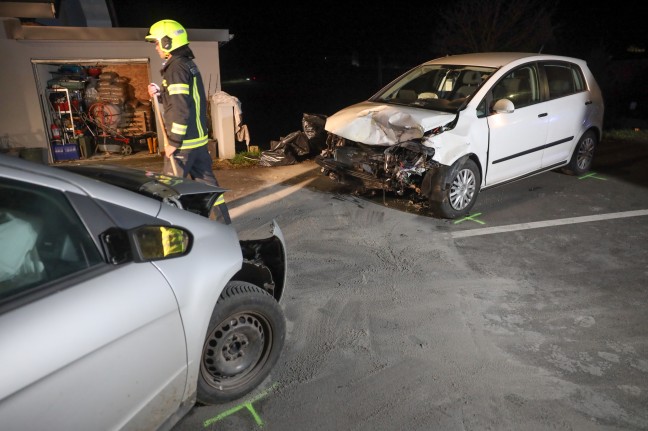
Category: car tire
[581,159]
[244,340]
[458,199]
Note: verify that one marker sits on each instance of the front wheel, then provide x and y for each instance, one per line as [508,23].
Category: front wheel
[244,340]
[581,160]
[461,195]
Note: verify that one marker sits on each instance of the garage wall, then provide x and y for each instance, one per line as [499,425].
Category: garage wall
[21,118]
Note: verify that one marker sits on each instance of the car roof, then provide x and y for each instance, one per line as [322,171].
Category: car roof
[496,59]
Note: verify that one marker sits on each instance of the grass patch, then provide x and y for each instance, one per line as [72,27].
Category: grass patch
[635,135]
[246,159]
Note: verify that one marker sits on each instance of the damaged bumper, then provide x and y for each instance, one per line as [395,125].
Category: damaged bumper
[342,173]
[401,168]
[265,262]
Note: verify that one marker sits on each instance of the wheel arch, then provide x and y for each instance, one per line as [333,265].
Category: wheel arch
[592,128]
[265,263]
[437,181]
[262,276]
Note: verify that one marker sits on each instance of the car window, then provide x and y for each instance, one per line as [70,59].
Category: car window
[437,87]
[520,87]
[563,79]
[42,237]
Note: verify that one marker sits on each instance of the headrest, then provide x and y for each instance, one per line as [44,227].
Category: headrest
[472,77]
[559,86]
[409,95]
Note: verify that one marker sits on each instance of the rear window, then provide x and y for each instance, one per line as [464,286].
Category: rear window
[563,79]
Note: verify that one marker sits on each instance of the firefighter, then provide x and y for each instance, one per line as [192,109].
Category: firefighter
[185,106]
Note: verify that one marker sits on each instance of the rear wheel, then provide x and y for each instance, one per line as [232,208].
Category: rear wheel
[244,340]
[459,198]
[581,160]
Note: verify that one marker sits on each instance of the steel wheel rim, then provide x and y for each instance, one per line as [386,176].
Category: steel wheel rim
[236,350]
[462,190]
[585,153]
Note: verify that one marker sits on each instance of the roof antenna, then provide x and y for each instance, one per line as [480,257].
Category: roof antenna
[541,48]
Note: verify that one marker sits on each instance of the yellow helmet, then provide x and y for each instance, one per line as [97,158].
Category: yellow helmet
[169,33]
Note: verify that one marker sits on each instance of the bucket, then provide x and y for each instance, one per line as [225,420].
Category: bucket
[33,154]
[94,71]
[86,146]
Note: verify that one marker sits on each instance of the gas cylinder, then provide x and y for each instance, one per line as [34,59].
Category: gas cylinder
[56,132]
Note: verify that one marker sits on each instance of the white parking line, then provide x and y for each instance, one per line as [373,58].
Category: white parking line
[547,223]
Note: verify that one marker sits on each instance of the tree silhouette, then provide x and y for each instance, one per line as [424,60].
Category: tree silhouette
[494,25]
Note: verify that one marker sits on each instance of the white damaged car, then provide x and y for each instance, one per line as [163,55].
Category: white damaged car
[456,125]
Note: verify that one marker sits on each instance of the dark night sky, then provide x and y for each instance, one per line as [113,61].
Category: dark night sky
[271,29]
[284,49]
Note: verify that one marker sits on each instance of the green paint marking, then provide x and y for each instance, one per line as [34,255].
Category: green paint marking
[592,175]
[254,414]
[245,405]
[471,218]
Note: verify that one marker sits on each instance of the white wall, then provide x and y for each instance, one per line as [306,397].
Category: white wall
[21,119]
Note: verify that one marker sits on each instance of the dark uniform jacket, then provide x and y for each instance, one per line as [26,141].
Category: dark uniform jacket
[183,97]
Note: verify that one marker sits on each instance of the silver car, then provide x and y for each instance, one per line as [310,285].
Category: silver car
[122,303]
[456,125]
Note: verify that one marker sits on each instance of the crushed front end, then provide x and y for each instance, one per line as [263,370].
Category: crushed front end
[399,168]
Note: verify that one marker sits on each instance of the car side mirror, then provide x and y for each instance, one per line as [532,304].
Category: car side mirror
[503,106]
[145,243]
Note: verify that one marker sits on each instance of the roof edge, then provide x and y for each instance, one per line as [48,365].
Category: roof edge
[18,31]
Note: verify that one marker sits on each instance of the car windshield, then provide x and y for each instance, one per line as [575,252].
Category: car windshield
[435,87]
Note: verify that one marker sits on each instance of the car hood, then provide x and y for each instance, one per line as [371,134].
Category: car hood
[186,194]
[149,183]
[380,124]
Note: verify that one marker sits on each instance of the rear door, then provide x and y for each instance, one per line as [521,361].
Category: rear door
[567,108]
[84,344]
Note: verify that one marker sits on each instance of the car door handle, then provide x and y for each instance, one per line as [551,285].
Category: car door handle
[544,114]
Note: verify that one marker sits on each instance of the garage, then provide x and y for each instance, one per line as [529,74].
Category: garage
[96,105]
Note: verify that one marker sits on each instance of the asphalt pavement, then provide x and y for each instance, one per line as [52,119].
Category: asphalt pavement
[529,314]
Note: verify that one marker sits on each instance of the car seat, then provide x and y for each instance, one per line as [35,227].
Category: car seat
[469,83]
[407,96]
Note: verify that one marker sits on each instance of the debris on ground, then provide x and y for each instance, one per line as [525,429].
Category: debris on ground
[299,145]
